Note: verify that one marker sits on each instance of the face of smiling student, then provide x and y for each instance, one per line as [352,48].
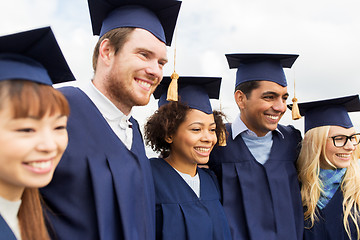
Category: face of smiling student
[262,110]
[135,71]
[340,156]
[30,149]
[193,141]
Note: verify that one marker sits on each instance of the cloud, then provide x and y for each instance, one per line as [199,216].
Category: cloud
[326,34]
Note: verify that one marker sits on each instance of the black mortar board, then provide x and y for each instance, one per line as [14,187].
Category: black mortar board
[265,66]
[195,92]
[332,112]
[156,16]
[35,56]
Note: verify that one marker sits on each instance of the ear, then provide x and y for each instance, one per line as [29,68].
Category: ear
[169,139]
[240,99]
[106,51]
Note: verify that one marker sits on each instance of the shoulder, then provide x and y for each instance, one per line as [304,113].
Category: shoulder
[156,163]
[290,130]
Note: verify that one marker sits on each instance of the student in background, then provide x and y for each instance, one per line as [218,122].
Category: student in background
[257,167]
[184,132]
[33,136]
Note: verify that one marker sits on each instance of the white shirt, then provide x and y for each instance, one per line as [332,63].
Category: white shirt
[118,121]
[259,147]
[9,211]
[193,182]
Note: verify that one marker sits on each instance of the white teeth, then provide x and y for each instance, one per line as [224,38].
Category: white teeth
[202,149]
[343,155]
[145,84]
[40,165]
[273,117]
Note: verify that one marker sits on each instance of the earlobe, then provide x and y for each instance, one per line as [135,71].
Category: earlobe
[169,140]
[240,99]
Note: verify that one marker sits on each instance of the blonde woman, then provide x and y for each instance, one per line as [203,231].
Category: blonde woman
[329,170]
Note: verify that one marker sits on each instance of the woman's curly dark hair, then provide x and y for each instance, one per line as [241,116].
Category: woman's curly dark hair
[165,122]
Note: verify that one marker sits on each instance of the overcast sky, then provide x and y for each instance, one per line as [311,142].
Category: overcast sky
[325,33]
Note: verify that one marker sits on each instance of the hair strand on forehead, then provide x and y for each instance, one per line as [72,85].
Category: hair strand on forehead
[28,98]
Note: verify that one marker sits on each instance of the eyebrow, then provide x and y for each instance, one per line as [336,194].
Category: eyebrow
[200,123]
[274,93]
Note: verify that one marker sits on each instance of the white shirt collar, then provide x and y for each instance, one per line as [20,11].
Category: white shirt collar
[238,126]
[9,211]
[105,106]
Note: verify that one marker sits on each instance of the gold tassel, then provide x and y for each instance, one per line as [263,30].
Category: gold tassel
[222,139]
[295,110]
[172,94]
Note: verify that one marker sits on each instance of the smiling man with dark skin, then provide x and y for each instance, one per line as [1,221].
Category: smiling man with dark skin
[103,188]
[256,170]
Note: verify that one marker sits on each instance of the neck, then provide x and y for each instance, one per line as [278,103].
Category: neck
[183,167]
[99,85]
[11,193]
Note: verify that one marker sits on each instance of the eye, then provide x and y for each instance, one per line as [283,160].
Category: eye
[25,130]
[162,64]
[339,138]
[61,127]
[143,55]
[268,97]
[196,129]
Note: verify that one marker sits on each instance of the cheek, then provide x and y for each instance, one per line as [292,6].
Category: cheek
[330,150]
[62,142]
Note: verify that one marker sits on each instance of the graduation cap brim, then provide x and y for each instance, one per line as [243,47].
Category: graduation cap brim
[166,11]
[40,45]
[210,84]
[237,59]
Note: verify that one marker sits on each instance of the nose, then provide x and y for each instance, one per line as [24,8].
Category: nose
[208,136]
[154,69]
[46,142]
[349,145]
[279,105]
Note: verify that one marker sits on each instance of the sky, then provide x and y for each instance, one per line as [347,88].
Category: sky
[325,33]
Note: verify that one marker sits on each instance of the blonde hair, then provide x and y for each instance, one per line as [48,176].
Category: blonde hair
[312,151]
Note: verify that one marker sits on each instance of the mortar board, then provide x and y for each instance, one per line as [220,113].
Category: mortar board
[156,16]
[194,92]
[253,66]
[333,112]
[35,56]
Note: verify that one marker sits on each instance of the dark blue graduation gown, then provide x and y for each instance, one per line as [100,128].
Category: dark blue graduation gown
[100,189]
[180,214]
[330,225]
[5,231]
[261,201]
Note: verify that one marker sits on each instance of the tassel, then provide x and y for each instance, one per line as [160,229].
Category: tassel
[222,139]
[172,94]
[295,110]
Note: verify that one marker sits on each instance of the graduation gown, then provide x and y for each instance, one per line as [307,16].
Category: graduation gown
[100,189]
[330,225]
[5,231]
[261,201]
[180,214]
